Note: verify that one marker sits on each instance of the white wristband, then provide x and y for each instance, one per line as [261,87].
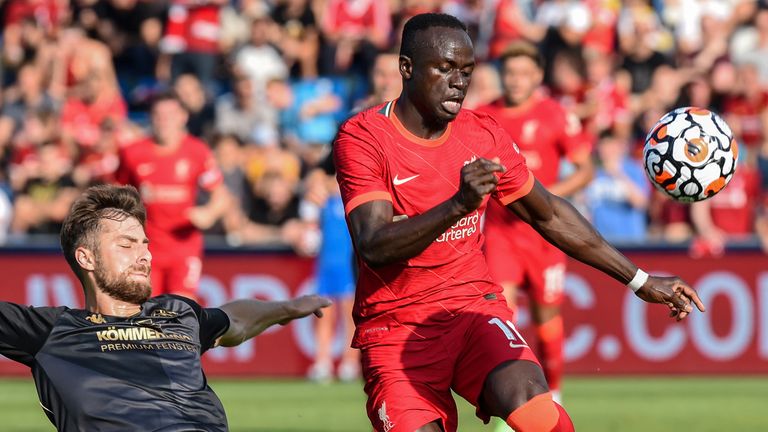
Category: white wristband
[638,281]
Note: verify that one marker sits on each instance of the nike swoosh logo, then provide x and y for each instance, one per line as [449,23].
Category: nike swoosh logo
[397,182]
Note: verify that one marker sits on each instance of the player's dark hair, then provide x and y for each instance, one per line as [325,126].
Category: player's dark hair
[522,49]
[84,219]
[167,95]
[411,43]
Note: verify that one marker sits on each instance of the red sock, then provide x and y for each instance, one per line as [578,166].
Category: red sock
[550,336]
[540,414]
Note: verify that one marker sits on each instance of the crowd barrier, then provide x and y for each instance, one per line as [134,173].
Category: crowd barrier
[609,330]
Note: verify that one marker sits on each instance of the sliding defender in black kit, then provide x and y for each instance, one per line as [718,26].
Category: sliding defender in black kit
[128,362]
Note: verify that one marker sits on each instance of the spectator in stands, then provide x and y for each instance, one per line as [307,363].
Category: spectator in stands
[309,113]
[26,25]
[78,59]
[46,195]
[299,36]
[131,28]
[230,156]
[98,163]
[485,87]
[607,96]
[274,177]
[506,21]
[354,31]
[618,196]
[28,96]
[569,84]
[239,113]
[39,128]
[560,25]
[750,44]
[259,60]
[729,215]
[191,40]
[386,82]
[641,40]
[92,103]
[195,100]
[703,29]
[746,109]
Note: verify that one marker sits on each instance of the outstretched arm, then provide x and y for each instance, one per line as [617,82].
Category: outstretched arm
[562,225]
[248,318]
[380,241]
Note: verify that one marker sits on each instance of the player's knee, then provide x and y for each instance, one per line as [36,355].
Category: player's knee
[540,414]
[510,386]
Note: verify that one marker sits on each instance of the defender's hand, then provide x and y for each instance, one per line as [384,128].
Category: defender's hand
[478,179]
[201,217]
[304,306]
[673,292]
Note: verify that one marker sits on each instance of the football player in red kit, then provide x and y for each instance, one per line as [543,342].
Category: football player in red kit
[168,168]
[518,256]
[415,175]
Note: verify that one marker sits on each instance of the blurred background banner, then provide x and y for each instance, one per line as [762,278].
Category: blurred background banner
[608,330]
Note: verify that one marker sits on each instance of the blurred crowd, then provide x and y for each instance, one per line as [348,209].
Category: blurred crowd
[267,83]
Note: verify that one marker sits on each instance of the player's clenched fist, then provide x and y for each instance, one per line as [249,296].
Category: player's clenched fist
[478,179]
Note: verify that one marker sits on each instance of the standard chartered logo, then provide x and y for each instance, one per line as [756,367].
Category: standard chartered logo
[464,228]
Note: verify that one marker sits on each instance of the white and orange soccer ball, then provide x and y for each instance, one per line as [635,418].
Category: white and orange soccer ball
[690,154]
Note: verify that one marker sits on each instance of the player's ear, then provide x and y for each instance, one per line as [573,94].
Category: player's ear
[85,258]
[406,67]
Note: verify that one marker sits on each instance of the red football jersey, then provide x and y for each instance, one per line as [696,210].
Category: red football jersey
[733,208]
[378,159]
[545,133]
[168,182]
[744,114]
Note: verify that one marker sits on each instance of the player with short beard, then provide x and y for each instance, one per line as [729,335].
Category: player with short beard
[128,361]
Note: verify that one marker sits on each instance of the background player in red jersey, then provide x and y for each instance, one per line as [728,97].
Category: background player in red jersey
[518,256]
[415,175]
[168,169]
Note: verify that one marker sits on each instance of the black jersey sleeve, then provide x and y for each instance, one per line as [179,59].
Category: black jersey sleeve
[24,330]
[214,322]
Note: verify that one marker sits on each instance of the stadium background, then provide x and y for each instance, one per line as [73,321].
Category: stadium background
[267,83]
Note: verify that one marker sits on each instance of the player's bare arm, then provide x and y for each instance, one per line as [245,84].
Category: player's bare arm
[248,318]
[562,225]
[584,171]
[203,217]
[380,241]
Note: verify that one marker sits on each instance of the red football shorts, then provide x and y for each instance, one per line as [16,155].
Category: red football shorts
[530,263]
[179,276]
[409,383]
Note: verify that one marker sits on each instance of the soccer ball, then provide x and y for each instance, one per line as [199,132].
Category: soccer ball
[690,154]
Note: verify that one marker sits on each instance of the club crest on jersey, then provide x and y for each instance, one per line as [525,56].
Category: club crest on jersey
[96,319]
[181,169]
[529,132]
[384,417]
[467,162]
[162,313]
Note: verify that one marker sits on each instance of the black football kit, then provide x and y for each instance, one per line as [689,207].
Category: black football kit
[103,373]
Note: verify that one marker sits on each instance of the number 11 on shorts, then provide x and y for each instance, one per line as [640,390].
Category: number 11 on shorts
[515,340]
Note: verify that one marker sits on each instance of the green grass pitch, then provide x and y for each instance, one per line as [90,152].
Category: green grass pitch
[658,404]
